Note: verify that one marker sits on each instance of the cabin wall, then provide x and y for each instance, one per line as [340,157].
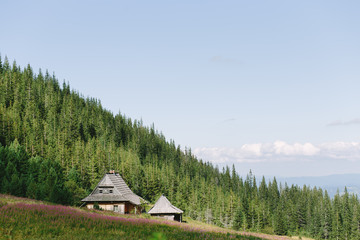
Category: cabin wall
[109,207]
[168,217]
[90,206]
[173,217]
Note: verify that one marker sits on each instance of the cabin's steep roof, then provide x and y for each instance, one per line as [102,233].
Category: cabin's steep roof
[163,205]
[120,192]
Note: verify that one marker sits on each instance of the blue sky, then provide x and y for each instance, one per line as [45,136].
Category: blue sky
[271,86]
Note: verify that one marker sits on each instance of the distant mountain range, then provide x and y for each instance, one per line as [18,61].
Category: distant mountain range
[331,183]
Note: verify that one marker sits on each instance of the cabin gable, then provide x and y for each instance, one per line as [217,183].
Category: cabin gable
[113,194]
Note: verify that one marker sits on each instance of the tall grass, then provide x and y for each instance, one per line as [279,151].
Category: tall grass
[38,221]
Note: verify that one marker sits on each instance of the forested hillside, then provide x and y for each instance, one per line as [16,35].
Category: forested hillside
[57,144]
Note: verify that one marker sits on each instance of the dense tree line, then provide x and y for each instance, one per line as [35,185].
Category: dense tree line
[55,145]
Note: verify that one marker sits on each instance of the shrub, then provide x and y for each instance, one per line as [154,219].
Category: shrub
[96,206]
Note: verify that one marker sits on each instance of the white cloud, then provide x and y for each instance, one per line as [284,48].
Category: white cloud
[345,123]
[306,149]
[280,151]
[251,149]
[341,150]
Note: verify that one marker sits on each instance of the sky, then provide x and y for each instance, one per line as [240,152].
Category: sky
[271,86]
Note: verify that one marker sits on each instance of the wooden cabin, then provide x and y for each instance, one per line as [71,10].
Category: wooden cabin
[164,208]
[113,194]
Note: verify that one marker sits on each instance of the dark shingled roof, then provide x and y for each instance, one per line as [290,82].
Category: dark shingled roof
[163,205]
[120,191]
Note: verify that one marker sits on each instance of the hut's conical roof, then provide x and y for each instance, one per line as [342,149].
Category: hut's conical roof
[163,205]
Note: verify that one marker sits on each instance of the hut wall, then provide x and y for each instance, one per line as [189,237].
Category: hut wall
[173,217]
[90,206]
[109,206]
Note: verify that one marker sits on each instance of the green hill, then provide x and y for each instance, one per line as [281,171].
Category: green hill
[28,219]
[57,144]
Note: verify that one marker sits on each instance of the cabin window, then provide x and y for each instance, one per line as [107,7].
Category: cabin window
[111,191]
[100,191]
[116,208]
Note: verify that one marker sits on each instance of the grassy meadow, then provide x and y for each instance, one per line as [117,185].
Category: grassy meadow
[22,218]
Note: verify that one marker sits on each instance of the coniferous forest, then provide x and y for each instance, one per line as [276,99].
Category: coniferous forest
[55,145]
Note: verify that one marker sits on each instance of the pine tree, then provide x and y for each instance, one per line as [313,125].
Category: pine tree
[337,219]
[355,224]
[31,191]
[279,222]
[326,219]
[1,66]
[347,215]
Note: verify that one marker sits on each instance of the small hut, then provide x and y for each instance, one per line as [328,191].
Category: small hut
[164,208]
[113,194]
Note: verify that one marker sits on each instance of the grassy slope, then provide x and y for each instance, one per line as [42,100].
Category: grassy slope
[22,218]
